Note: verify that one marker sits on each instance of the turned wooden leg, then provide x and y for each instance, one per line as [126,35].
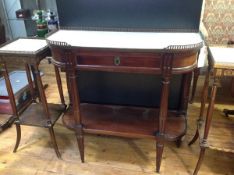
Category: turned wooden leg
[18,137]
[52,136]
[196,74]
[200,160]
[163,111]
[80,141]
[71,72]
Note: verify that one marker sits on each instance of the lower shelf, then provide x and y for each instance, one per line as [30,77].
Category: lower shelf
[34,115]
[125,121]
[6,121]
[222,142]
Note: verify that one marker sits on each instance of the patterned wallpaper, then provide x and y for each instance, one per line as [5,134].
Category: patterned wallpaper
[218,20]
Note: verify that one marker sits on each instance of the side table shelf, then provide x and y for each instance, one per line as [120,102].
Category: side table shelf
[34,115]
[215,141]
[120,120]
[6,121]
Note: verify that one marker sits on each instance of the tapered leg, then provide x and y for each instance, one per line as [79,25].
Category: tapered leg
[163,111]
[80,141]
[199,162]
[71,72]
[51,130]
[159,152]
[18,138]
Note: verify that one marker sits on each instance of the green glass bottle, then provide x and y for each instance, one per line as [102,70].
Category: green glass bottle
[42,28]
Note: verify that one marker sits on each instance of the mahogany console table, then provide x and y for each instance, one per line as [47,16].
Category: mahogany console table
[134,52]
[221,64]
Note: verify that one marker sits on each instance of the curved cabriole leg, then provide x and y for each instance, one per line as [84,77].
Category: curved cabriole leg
[80,141]
[199,162]
[18,137]
[51,130]
[194,139]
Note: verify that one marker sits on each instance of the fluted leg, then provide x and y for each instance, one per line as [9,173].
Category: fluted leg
[51,130]
[18,137]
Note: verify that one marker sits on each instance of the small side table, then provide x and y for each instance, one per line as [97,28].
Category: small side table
[221,64]
[31,51]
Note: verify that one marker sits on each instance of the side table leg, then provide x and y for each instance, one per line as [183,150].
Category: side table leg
[207,126]
[200,160]
[13,103]
[30,82]
[53,139]
[18,137]
[202,108]
[194,139]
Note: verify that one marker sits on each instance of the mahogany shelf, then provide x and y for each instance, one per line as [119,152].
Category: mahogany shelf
[126,121]
[34,115]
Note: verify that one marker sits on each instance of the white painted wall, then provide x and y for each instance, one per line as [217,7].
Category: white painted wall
[17,27]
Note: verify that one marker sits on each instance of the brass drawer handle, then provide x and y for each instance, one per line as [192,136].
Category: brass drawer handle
[117,61]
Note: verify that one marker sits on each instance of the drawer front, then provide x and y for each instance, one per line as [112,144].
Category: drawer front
[120,61]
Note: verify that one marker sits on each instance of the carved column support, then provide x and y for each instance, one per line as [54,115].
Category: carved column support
[75,99]
[72,76]
[166,75]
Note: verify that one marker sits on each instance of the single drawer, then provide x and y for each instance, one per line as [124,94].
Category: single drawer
[119,61]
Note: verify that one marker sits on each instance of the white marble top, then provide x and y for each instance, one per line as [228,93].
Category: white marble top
[125,40]
[24,45]
[222,56]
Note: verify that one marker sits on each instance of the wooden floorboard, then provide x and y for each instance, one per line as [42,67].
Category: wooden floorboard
[106,155]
